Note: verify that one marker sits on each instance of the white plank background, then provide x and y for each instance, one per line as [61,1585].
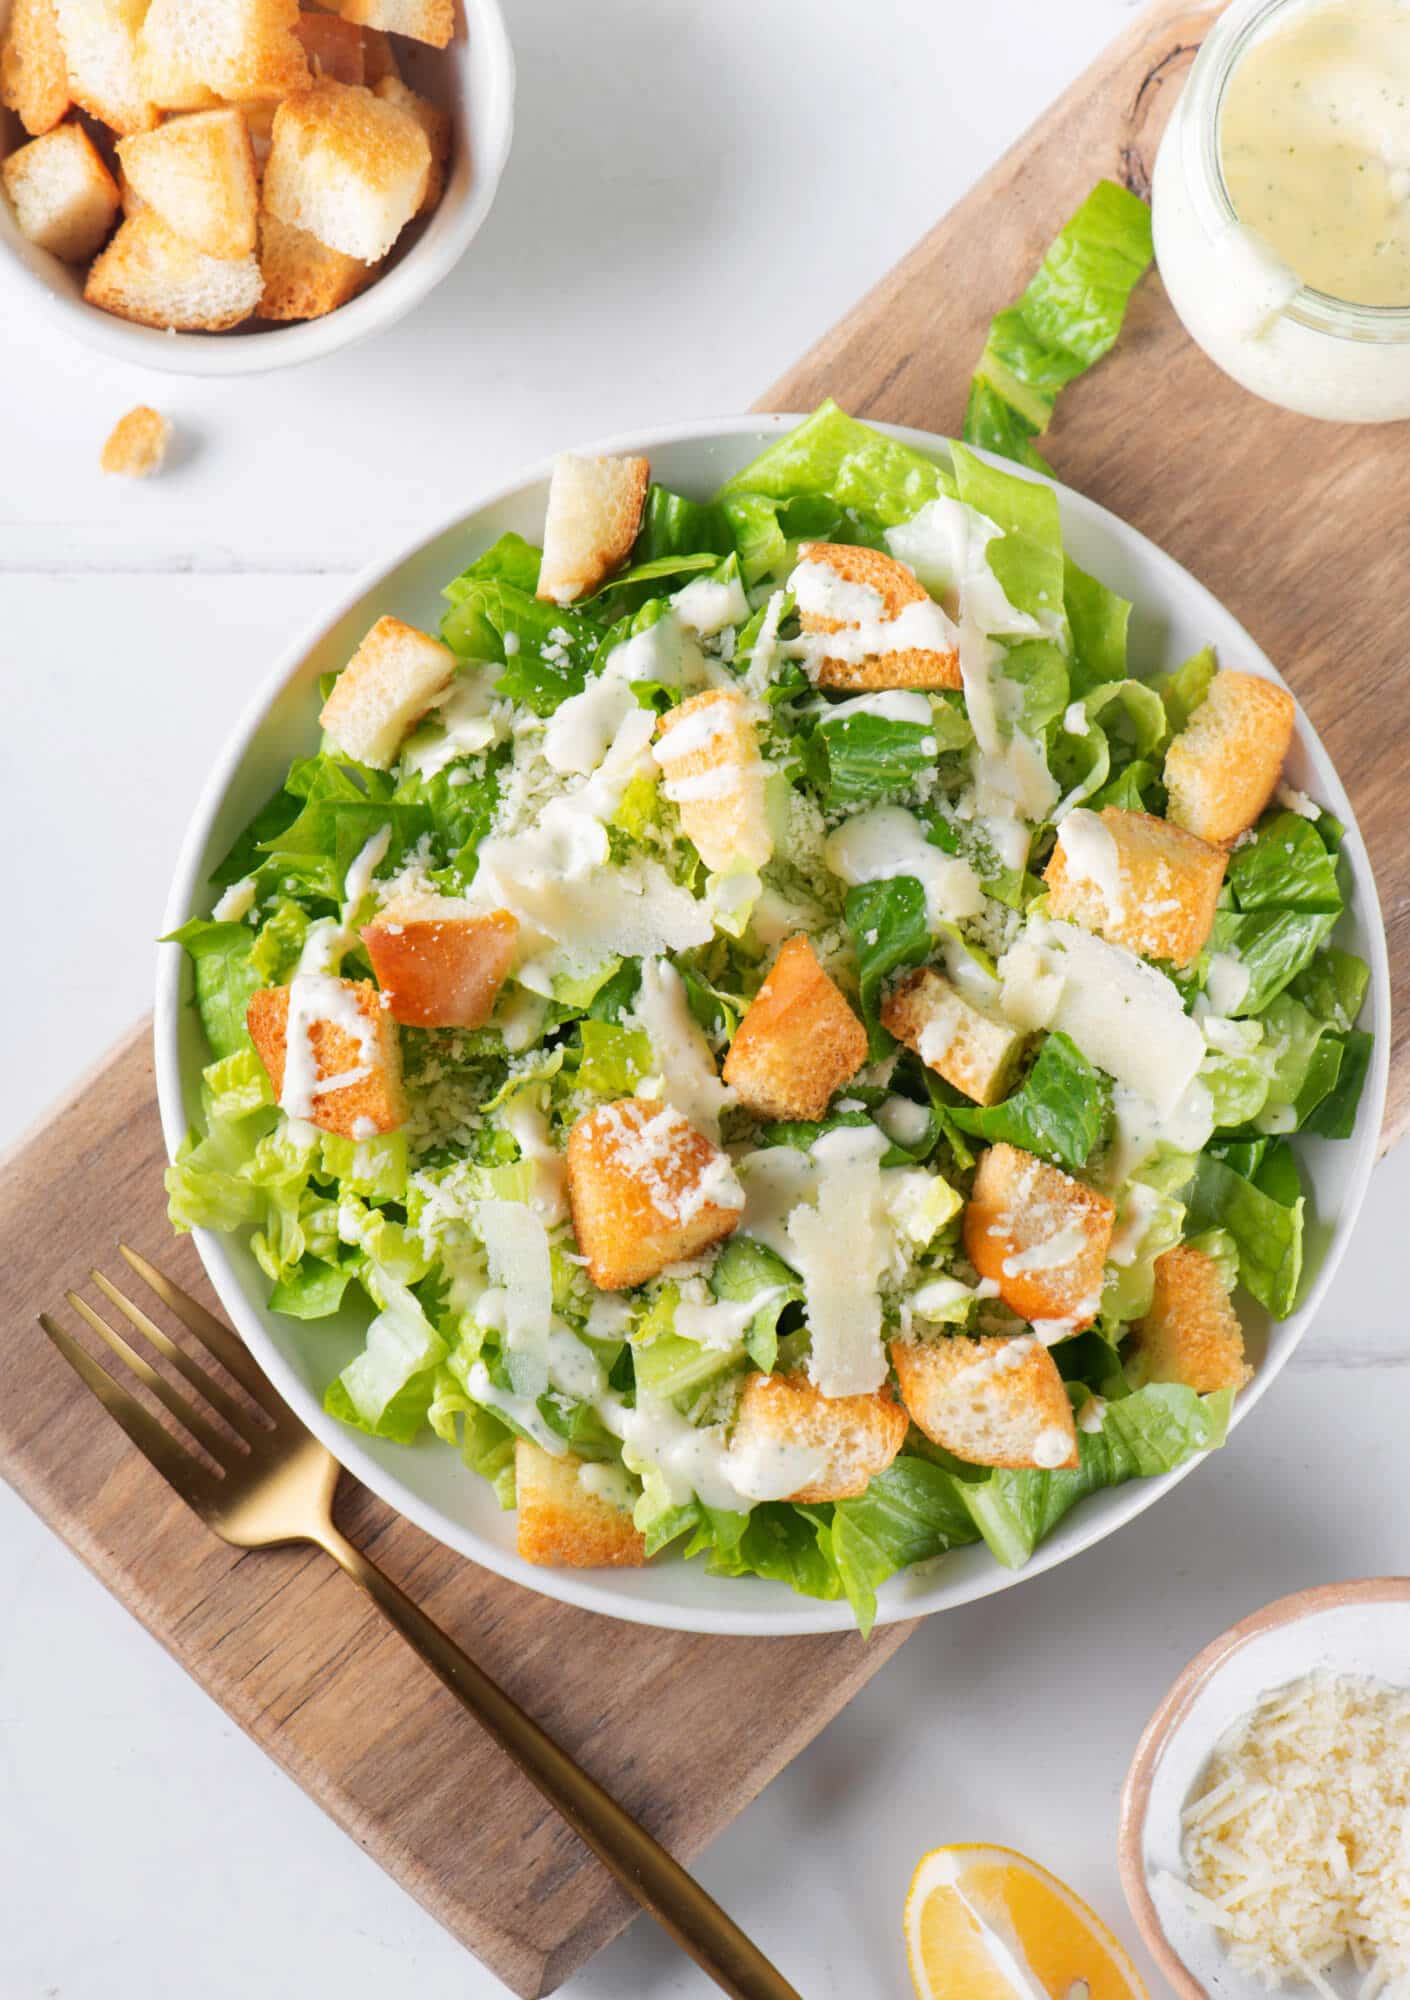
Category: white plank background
[696,191]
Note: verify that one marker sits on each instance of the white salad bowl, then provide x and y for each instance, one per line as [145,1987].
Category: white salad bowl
[472,79]
[1174,616]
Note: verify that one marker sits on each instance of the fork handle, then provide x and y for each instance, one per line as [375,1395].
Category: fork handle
[642,1866]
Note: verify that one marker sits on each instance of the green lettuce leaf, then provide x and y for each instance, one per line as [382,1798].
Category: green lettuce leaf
[858,758]
[910,1513]
[1286,866]
[1335,1116]
[1333,986]
[1098,619]
[1149,1432]
[1267,1233]
[225,977]
[847,462]
[673,526]
[1059,1111]
[1066,320]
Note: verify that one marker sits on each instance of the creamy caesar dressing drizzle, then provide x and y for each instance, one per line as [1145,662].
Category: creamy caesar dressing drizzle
[682,1054]
[721,1324]
[471,719]
[316,997]
[1314,141]
[888,841]
[1089,852]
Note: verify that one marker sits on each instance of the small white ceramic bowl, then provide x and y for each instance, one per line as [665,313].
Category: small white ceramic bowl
[473,80]
[1173,616]
[1360,1628]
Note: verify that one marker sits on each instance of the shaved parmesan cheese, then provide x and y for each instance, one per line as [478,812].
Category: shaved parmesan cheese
[517,1246]
[1295,1835]
[1124,1015]
[840,1249]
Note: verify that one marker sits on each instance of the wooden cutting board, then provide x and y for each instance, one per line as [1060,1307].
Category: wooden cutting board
[1295,525]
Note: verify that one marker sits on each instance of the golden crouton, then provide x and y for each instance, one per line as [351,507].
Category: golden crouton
[799,1041]
[439,965]
[334,47]
[99,39]
[709,751]
[379,58]
[857,1435]
[1039,1235]
[153,276]
[430,21]
[1136,881]
[65,199]
[1223,767]
[567,1522]
[138,443]
[976,1054]
[646,1190]
[995,1401]
[896,586]
[195,51]
[347,166]
[303,278]
[198,173]
[374,1103]
[389,683]
[594,511]
[34,78]
[434,122]
[1191,1333]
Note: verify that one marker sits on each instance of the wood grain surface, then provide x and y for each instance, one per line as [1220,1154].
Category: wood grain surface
[685,1730]
[1299,527]
[1295,525]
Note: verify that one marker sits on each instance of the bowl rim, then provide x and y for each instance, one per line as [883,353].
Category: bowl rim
[1169,1719]
[411,280]
[580,1588]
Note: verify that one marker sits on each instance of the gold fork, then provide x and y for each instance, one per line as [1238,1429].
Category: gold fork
[276,1486]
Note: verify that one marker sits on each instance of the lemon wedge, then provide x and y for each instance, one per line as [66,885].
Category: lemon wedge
[986,1923]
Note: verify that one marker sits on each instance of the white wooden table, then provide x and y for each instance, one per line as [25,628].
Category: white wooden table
[696,192]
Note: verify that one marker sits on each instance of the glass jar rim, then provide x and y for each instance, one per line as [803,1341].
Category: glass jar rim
[1220,53]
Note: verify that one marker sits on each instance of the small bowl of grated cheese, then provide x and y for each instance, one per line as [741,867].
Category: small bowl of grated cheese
[1265,1819]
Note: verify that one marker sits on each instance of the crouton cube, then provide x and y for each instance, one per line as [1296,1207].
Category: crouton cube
[34,78]
[570,1514]
[379,58]
[389,683]
[334,48]
[976,1054]
[198,174]
[101,57]
[65,199]
[842,1441]
[364,1064]
[1040,1236]
[430,21]
[348,167]
[153,276]
[196,51]
[878,588]
[1136,881]
[434,122]
[1191,1333]
[594,511]
[646,1190]
[1223,767]
[995,1401]
[138,443]
[438,964]
[799,1041]
[709,751]
[303,278]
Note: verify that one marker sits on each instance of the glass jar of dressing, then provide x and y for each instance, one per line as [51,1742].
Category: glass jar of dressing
[1281,204]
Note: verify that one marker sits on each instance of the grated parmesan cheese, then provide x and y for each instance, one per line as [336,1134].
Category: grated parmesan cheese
[1296,1842]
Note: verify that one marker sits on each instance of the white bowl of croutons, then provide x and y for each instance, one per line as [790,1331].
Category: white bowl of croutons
[219,191]
[1174,617]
